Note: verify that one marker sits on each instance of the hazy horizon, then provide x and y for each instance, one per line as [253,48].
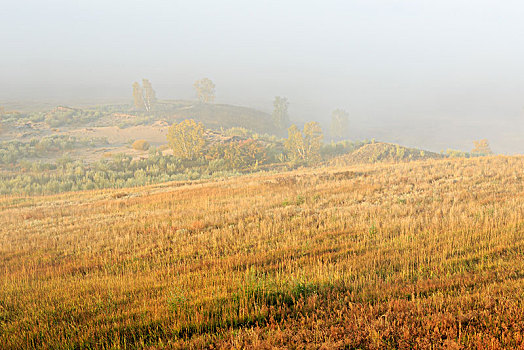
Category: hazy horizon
[423,73]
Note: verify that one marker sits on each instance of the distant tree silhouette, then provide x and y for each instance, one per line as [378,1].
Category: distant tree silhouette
[280,113]
[138,98]
[144,97]
[339,124]
[205,90]
[482,147]
[149,95]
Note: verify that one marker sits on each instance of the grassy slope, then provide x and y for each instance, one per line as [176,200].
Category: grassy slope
[216,116]
[378,152]
[419,254]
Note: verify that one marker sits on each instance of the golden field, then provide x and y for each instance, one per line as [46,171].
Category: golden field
[426,254]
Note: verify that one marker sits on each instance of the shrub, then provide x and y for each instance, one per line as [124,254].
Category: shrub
[239,155]
[141,145]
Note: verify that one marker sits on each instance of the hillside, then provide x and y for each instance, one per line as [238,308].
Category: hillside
[424,254]
[381,152]
[218,116]
[96,119]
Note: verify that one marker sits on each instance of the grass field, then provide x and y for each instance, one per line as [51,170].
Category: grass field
[426,254]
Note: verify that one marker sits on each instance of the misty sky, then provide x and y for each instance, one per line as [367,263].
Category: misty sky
[395,65]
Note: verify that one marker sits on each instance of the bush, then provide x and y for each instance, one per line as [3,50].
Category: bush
[239,155]
[141,145]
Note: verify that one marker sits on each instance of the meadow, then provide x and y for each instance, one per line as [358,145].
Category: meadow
[425,254]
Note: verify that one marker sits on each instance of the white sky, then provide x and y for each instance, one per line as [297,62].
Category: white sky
[453,62]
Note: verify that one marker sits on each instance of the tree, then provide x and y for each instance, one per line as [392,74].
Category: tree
[304,146]
[149,94]
[186,139]
[280,114]
[339,124]
[144,97]
[295,143]
[482,147]
[138,98]
[205,90]
[313,140]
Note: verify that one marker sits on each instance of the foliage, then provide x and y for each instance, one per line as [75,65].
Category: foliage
[141,145]
[13,152]
[144,97]
[62,116]
[339,124]
[305,146]
[186,139]
[68,175]
[341,147]
[481,148]
[239,132]
[138,96]
[280,113]
[453,153]
[377,152]
[245,154]
[205,90]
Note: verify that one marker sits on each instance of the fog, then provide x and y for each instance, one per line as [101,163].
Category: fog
[433,74]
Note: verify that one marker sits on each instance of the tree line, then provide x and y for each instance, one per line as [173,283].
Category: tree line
[187,141]
[144,98]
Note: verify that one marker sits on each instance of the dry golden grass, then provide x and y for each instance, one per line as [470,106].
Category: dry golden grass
[426,254]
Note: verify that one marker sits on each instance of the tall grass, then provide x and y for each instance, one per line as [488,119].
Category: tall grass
[426,254]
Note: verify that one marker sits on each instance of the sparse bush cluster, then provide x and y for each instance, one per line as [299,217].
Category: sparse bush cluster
[334,149]
[119,171]
[13,152]
[196,158]
[69,116]
[241,155]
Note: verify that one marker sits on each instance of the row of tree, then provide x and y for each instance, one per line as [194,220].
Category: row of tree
[144,98]
[281,120]
[187,140]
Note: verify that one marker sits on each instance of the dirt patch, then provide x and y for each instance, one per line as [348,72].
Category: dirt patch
[154,134]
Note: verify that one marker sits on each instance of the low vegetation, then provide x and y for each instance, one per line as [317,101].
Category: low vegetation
[45,166]
[141,145]
[15,152]
[378,152]
[424,254]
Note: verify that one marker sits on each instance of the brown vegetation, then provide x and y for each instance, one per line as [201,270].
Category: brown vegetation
[141,145]
[424,254]
[381,152]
